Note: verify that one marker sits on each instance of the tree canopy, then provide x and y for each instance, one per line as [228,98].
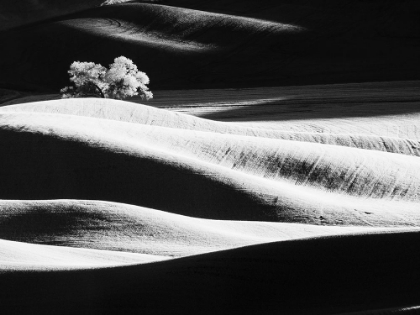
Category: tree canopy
[120,81]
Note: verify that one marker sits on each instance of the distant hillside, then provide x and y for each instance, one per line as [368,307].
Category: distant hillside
[223,43]
[15,13]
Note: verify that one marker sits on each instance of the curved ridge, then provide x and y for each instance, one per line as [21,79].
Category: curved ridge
[121,30]
[120,227]
[147,115]
[183,22]
[332,168]
[174,28]
[23,256]
[228,176]
[280,274]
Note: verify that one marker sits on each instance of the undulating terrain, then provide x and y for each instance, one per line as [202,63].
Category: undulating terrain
[187,44]
[276,170]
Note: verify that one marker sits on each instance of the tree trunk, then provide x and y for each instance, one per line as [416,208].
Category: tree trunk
[98,88]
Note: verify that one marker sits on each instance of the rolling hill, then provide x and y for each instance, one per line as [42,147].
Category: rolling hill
[215,173]
[240,189]
[197,44]
[304,276]
[137,200]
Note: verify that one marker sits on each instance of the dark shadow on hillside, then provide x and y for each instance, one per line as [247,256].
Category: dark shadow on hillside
[181,49]
[261,279]
[304,108]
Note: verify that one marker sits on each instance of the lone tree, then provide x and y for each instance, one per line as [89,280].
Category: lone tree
[120,81]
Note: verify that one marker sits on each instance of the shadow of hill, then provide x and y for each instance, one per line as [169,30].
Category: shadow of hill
[323,108]
[369,99]
[14,14]
[70,170]
[178,47]
[264,279]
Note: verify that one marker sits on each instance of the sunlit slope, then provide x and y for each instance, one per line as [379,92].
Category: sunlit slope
[175,28]
[346,132]
[122,227]
[24,256]
[203,173]
[212,45]
[334,274]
